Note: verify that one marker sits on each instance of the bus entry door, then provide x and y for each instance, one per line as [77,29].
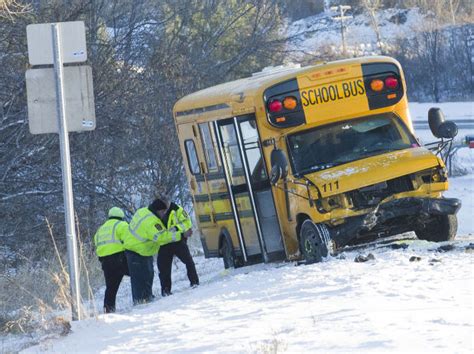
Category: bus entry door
[250,188]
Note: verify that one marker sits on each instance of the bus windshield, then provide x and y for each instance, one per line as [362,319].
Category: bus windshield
[336,144]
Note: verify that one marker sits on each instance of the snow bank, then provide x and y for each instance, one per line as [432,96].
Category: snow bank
[463,188]
[451,110]
[389,304]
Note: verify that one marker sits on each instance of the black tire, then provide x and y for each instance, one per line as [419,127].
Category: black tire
[315,241]
[440,228]
[227,252]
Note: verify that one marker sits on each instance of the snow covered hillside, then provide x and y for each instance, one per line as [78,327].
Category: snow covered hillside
[315,34]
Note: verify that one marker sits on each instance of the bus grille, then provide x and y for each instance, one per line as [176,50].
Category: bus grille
[372,195]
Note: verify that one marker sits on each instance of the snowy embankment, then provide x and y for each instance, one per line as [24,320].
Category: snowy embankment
[386,304]
[315,34]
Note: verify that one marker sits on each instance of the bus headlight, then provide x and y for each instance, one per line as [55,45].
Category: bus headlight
[435,175]
[440,175]
[331,203]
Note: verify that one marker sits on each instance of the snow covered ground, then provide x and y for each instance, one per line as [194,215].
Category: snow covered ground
[387,304]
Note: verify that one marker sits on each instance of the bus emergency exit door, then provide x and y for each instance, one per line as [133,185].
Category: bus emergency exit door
[250,189]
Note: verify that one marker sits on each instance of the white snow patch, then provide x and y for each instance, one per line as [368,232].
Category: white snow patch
[345,172]
[316,33]
[463,188]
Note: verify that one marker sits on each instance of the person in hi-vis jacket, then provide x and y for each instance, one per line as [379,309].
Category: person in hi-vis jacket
[110,250]
[174,219]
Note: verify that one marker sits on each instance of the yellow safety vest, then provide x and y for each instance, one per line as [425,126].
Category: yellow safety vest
[108,238]
[142,234]
[146,232]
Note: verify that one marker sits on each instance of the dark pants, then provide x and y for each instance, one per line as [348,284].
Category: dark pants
[165,261]
[114,267]
[141,277]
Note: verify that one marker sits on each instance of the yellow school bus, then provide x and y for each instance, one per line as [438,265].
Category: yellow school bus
[297,162]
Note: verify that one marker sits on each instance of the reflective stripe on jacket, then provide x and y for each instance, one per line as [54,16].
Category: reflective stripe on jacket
[142,234]
[108,238]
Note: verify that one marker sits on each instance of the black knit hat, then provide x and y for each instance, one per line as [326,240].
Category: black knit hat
[157,204]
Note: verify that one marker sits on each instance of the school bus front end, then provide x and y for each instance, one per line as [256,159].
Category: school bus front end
[355,169]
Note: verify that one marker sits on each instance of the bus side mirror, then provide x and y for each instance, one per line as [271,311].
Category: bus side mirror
[448,130]
[439,127]
[279,166]
[275,174]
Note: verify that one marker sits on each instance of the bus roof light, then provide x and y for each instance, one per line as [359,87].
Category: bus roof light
[391,82]
[275,106]
[376,85]
[290,103]
[280,119]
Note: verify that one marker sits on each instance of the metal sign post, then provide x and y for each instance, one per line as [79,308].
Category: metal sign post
[66,172]
[342,10]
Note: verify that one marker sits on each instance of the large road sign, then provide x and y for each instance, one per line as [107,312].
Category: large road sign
[42,99]
[40,43]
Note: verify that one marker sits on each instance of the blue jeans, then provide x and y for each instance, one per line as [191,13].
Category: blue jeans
[141,277]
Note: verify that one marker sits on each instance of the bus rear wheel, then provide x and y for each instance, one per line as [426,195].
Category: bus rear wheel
[315,242]
[227,252]
[440,228]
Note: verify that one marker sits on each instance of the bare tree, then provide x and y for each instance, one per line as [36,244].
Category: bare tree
[9,9]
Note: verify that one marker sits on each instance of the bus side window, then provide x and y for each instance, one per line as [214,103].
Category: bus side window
[209,146]
[191,154]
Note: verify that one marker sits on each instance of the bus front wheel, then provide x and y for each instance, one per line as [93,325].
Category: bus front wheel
[440,228]
[314,241]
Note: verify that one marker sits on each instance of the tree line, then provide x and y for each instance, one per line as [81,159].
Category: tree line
[145,55]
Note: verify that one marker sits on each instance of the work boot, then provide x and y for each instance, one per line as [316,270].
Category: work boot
[194,286]
[109,309]
[166,292]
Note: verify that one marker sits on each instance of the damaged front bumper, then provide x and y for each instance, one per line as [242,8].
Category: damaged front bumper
[379,222]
